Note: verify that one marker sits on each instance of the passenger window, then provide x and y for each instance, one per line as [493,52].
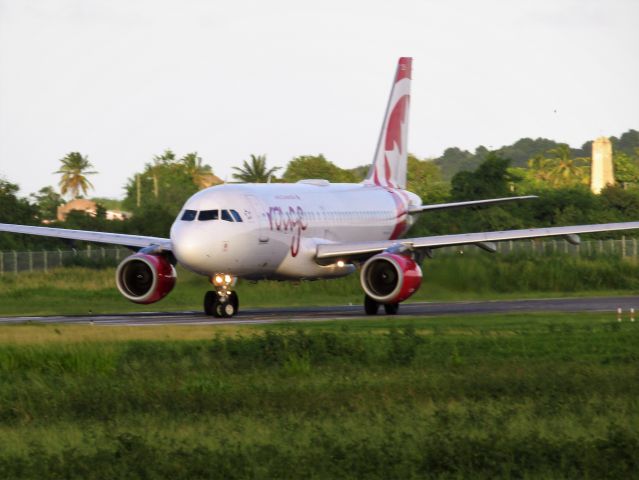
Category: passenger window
[226,216]
[189,215]
[236,216]
[208,215]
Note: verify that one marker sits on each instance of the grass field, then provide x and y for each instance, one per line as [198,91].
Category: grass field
[510,396]
[476,276]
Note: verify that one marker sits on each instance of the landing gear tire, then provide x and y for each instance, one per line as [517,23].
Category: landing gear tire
[370,306]
[225,308]
[391,308]
[217,307]
[210,303]
[235,301]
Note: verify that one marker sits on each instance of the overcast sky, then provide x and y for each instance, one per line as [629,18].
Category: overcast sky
[122,80]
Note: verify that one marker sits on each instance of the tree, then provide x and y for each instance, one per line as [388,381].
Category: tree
[47,200]
[627,143]
[255,171]
[16,210]
[165,184]
[626,169]
[541,169]
[359,173]
[316,166]
[424,177]
[491,179]
[567,171]
[160,163]
[456,160]
[195,169]
[74,170]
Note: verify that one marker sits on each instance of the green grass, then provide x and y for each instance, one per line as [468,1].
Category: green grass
[509,396]
[80,290]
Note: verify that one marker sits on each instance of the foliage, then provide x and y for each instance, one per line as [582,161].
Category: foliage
[568,172]
[513,396]
[455,160]
[163,186]
[316,166]
[108,203]
[626,168]
[520,152]
[627,143]
[492,179]
[359,173]
[75,167]
[255,171]
[15,210]
[47,200]
[198,171]
[425,179]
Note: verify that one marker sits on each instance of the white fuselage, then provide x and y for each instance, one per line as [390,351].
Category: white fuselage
[281,225]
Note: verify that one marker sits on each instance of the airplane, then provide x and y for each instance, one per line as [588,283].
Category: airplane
[312,229]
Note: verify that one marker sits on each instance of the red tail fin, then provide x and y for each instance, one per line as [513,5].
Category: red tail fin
[389,164]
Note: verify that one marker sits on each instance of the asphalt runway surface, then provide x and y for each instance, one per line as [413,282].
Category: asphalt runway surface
[347,312]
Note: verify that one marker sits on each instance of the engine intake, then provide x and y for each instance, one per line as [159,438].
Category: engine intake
[390,277]
[144,278]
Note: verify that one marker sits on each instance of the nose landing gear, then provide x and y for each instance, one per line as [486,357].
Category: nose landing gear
[221,302]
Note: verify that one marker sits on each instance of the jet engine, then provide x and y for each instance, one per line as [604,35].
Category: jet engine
[390,277]
[145,278]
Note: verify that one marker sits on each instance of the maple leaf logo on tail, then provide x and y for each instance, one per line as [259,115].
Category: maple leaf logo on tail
[389,164]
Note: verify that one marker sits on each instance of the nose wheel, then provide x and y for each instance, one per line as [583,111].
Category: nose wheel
[221,305]
[221,302]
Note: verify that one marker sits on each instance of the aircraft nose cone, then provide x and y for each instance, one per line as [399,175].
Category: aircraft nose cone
[188,247]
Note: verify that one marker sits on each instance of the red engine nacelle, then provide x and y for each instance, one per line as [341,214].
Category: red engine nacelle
[145,278]
[390,277]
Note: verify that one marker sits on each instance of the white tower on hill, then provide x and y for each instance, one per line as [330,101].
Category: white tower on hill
[601,170]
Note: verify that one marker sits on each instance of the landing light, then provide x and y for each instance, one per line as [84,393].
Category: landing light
[340,263]
[222,280]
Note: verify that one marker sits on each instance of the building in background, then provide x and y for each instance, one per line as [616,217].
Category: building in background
[90,207]
[601,170]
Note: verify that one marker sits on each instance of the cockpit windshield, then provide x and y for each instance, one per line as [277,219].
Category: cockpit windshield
[189,215]
[236,216]
[229,215]
[208,215]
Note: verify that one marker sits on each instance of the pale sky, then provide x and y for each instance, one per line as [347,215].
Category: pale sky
[122,80]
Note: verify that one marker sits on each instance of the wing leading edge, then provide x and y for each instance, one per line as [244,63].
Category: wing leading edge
[360,250]
[471,203]
[136,241]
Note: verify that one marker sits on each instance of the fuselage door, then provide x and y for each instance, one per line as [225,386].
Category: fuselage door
[257,215]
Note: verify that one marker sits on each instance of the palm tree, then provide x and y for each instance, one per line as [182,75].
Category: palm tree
[567,170]
[193,166]
[541,168]
[74,170]
[167,159]
[254,172]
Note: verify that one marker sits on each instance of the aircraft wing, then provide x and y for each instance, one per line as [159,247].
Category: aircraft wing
[328,253]
[471,203]
[136,241]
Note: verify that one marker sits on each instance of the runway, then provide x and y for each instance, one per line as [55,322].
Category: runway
[346,312]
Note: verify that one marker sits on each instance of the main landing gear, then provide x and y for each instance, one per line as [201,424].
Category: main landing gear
[371,306]
[221,302]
